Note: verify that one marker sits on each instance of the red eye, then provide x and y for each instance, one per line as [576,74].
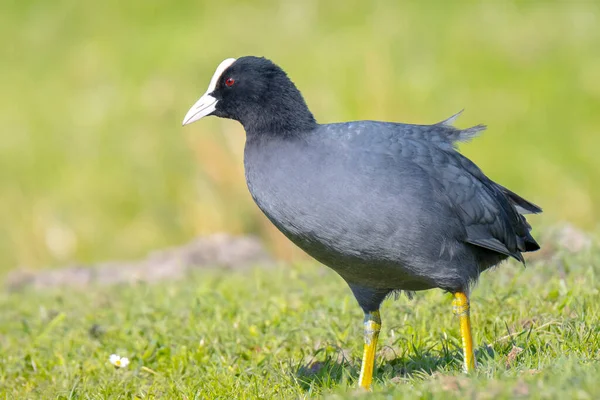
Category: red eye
[229,82]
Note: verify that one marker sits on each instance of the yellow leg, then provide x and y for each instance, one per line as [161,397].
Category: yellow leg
[461,309]
[372,328]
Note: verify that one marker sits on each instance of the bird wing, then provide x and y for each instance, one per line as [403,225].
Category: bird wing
[523,206]
[491,214]
[487,210]
[461,135]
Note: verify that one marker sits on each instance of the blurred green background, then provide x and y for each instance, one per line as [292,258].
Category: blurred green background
[94,163]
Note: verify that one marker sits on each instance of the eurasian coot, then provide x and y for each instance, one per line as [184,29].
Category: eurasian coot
[389,206]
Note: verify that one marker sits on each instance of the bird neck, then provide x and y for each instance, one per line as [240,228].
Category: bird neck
[283,115]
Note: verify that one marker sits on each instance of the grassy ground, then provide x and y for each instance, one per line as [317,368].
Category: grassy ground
[295,331]
[94,164]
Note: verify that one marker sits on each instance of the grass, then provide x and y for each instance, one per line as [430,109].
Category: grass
[94,164]
[294,331]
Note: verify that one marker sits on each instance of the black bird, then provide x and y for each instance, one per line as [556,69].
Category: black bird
[389,206]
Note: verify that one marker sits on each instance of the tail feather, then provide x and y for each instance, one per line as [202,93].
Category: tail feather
[523,206]
[451,120]
[460,135]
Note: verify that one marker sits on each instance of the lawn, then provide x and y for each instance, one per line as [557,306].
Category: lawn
[294,331]
[94,166]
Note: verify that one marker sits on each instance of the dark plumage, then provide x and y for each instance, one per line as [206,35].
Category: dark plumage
[388,206]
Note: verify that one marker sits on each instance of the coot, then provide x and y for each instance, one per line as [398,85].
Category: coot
[389,206]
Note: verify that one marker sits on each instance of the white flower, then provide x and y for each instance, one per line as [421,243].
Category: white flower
[119,362]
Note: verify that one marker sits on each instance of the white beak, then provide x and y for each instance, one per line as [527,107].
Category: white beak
[207,103]
[204,106]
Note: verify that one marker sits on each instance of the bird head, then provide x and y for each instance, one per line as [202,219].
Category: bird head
[255,92]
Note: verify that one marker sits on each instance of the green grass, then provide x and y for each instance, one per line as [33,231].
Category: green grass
[94,164]
[296,332]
